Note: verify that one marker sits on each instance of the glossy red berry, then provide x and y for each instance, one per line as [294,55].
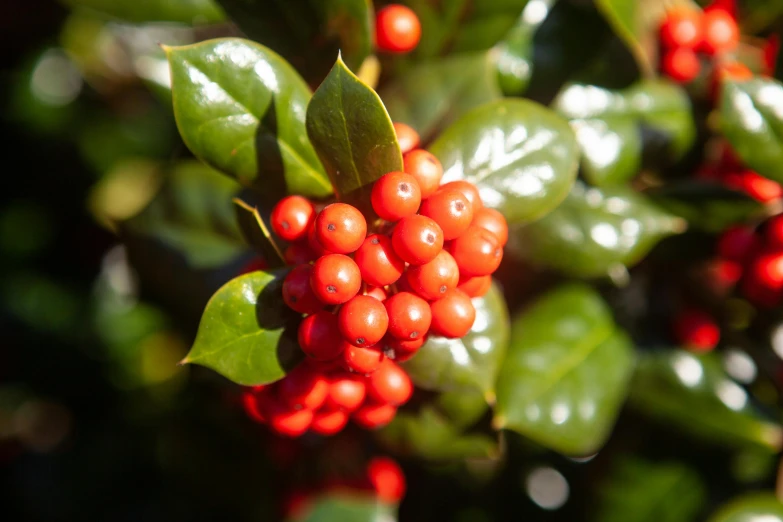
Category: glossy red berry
[453,315]
[298,253]
[399,346]
[374,415]
[335,279]
[738,243]
[417,239]
[730,71]
[297,293]
[251,403]
[304,387]
[395,195]
[288,421]
[432,280]
[756,186]
[681,64]
[291,217]
[475,286]
[346,392]
[390,384]
[492,220]
[329,422]
[387,479]
[721,33]
[425,168]
[316,248]
[397,29]
[363,321]
[409,316]
[773,232]
[376,292]
[763,281]
[682,28]
[451,210]
[407,138]
[319,336]
[340,228]
[362,360]
[696,330]
[477,252]
[378,262]
[468,189]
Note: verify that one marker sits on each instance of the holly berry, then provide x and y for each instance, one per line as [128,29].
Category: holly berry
[254,265]
[335,279]
[390,384]
[362,360]
[395,195]
[329,422]
[681,64]
[425,168]
[397,29]
[319,336]
[400,346]
[251,403]
[387,479]
[737,243]
[363,321]
[374,415]
[304,387]
[451,210]
[291,217]
[682,28]
[732,71]
[340,228]
[453,315]
[315,246]
[376,292]
[773,232]
[297,293]
[288,421]
[346,392]
[721,33]
[407,138]
[298,253]
[758,187]
[409,316]
[696,330]
[432,280]
[378,263]
[417,239]
[468,190]
[475,286]
[492,220]
[477,252]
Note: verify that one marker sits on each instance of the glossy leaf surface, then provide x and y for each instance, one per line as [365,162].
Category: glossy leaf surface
[751,508]
[346,507]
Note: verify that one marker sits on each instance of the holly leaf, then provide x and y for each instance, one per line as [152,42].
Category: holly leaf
[432,94]
[347,507]
[241,108]
[353,135]
[247,333]
[633,22]
[595,232]
[751,507]
[521,156]
[694,394]
[566,373]
[255,231]
[752,121]
[471,362]
[184,11]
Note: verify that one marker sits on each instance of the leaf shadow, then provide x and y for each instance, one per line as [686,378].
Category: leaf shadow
[273,314]
[273,185]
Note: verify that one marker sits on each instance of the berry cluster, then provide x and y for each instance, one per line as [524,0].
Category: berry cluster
[728,170]
[397,29]
[696,330]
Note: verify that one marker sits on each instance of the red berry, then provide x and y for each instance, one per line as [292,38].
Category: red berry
[373,415]
[363,321]
[254,265]
[340,228]
[376,292]
[696,330]
[400,346]
[468,189]
[757,186]
[346,392]
[731,71]
[432,280]
[492,220]
[453,315]
[291,217]
[335,279]
[251,403]
[303,387]
[298,253]
[407,138]
[773,232]
[316,248]
[720,32]
[451,210]
[681,65]
[425,168]
[288,421]
[682,28]
[475,286]
[417,239]
[387,479]
[397,29]
[727,272]
[297,293]
[329,422]
[477,252]
[319,336]
[737,243]
[767,270]
[362,360]
[409,316]
[395,195]
[390,384]
[378,263]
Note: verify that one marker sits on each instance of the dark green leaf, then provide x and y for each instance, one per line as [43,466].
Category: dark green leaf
[352,134]
[631,22]
[754,507]
[595,232]
[642,491]
[247,334]
[186,11]
[752,121]
[705,205]
[432,94]
[256,232]
[757,15]
[566,374]
[469,363]
[346,507]
[695,394]
[241,108]
[522,156]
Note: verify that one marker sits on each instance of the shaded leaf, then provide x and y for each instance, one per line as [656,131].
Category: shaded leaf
[633,23]
[749,508]
[521,156]
[566,373]
[256,232]
[185,11]
[346,507]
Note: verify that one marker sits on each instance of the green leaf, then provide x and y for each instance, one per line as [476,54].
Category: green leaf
[192,215]
[752,121]
[471,362]
[758,15]
[608,125]
[255,230]
[241,108]
[694,394]
[352,134]
[432,94]
[754,507]
[521,156]
[185,11]
[642,491]
[595,232]
[247,334]
[632,22]
[566,374]
[308,33]
[705,205]
[346,507]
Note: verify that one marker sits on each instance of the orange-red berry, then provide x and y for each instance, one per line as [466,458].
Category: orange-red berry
[288,421]
[340,228]
[297,293]
[683,28]
[451,210]
[468,189]
[721,33]
[319,336]
[432,280]
[335,279]
[425,168]
[681,64]
[409,316]
[363,321]
[362,359]
[397,29]
[407,138]
[378,262]
[696,330]
[304,387]
[390,384]
[417,239]
[376,292]
[291,217]
[346,392]
[387,479]
[395,195]
[453,315]
[476,286]
[477,252]
[492,220]
[374,415]
[329,422]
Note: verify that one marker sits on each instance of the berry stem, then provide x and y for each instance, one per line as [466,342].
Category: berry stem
[272,252]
